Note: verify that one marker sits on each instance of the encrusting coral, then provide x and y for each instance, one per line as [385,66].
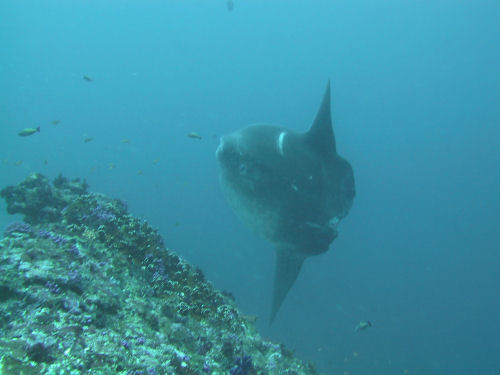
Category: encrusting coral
[87,288]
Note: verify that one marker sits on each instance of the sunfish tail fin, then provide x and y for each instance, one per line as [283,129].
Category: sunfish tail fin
[288,265]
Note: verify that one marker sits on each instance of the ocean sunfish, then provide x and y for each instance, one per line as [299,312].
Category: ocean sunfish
[291,188]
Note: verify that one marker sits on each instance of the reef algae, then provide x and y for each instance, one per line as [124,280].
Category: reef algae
[87,288]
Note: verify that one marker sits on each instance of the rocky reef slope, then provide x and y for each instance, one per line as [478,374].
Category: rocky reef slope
[87,288]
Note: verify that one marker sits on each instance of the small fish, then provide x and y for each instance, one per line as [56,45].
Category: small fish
[194,135]
[111,166]
[139,172]
[88,78]
[19,162]
[88,139]
[126,140]
[156,161]
[55,122]
[28,131]
[362,326]
[229,5]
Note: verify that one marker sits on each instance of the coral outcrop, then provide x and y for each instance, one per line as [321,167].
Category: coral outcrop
[87,288]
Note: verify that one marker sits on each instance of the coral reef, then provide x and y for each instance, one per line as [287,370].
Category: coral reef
[85,287]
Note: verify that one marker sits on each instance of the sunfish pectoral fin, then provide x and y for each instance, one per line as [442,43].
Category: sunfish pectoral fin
[288,264]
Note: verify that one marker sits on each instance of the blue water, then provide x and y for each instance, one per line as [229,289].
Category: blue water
[416,106]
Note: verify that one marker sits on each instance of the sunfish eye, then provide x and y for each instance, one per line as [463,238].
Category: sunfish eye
[243,168]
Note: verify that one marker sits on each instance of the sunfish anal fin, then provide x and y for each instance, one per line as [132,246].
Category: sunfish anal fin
[288,264]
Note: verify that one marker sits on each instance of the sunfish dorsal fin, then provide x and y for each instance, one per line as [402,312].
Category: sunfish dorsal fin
[288,264]
[320,136]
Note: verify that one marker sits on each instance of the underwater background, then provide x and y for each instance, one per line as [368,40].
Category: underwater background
[416,94]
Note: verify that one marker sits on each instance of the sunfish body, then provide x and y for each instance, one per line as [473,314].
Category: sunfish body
[290,188]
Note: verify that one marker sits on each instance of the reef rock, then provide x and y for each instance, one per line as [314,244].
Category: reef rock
[85,287]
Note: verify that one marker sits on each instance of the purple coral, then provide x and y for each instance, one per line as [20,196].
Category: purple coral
[206,367]
[74,250]
[101,214]
[53,287]
[17,227]
[160,271]
[243,365]
[57,239]
[157,266]
[98,215]
[125,344]
[44,233]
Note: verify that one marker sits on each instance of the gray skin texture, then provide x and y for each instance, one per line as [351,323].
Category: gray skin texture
[291,188]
